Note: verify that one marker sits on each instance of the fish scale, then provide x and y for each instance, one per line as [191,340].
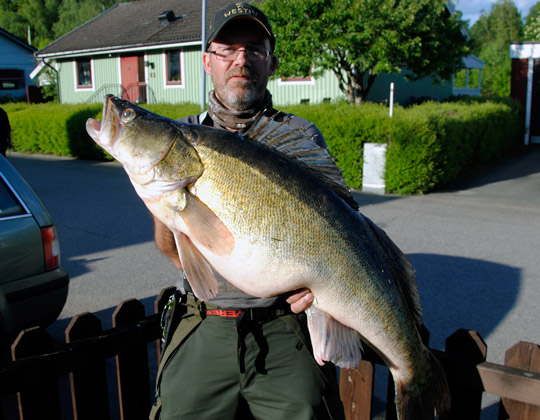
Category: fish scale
[272,214]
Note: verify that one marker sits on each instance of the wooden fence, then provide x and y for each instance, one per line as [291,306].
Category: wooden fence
[38,366]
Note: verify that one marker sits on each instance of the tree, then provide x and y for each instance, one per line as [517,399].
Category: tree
[74,13]
[34,16]
[532,26]
[360,39]
[493,33]
[48,20]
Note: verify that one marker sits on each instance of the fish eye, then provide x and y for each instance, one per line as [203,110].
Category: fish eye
[128,114]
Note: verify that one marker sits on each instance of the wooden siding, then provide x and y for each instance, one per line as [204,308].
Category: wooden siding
[106,78]
[188,91]
[518,84]
[14,56]
[405,92]
[314,91]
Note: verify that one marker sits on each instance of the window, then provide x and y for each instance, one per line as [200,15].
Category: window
[174,74]
[84,73]
[467,79]
[9,205]
[11,79]
[298,80]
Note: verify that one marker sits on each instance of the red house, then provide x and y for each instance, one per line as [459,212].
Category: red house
[525,85]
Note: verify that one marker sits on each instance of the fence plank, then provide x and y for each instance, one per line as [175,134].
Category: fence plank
[466,404]
[525,356]
[40,401]
[73,356]
[88,384]
[132,367]
[356,389]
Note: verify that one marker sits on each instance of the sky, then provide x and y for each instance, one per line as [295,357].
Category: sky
[472,9]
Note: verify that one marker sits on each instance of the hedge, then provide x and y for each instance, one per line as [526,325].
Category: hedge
[429,145]
[61,129]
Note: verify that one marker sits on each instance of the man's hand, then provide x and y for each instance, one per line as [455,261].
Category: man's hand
[300,300]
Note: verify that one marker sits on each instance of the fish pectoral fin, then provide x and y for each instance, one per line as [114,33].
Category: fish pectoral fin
[206,227]
[333,341]
[198,271]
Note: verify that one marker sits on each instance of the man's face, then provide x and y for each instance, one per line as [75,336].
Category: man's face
[241,83]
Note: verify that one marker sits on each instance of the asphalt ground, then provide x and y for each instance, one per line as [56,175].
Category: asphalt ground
[475,246]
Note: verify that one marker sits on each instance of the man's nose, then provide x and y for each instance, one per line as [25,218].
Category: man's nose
[242,56]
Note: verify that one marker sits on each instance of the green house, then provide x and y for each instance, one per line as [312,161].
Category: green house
[149,51]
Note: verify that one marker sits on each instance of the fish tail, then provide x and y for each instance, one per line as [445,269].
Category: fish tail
[421,399]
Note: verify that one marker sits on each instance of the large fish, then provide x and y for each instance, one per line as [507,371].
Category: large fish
[272,216]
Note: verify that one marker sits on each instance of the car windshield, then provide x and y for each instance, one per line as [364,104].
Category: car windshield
[9,205]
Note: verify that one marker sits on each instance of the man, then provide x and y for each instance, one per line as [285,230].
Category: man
[238,356]
[5,133]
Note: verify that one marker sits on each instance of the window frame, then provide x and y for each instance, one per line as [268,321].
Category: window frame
[78,86]
[169,83]
[10,75]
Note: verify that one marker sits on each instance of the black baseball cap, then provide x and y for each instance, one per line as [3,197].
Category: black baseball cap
[239,11]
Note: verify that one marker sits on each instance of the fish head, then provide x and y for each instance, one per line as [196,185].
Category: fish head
[141,141]
[134,136]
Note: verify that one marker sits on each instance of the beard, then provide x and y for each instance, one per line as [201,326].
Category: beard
[240,95]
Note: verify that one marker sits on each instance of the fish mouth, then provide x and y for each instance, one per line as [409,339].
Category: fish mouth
[99,130]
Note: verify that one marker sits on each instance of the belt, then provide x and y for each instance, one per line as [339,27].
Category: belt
[250,314]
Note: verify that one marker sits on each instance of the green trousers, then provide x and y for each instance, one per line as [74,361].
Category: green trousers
[253,370]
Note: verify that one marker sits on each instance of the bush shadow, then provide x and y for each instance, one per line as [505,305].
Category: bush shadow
[458,292]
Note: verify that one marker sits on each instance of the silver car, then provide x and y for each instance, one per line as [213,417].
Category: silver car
[33,284]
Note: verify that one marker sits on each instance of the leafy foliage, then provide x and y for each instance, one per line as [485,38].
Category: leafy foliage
[358,40]
[429,145]
[60,129]
[47,20]
[493,33]
[532,27]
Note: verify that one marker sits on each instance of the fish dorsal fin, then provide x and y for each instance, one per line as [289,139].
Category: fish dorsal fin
[300,147]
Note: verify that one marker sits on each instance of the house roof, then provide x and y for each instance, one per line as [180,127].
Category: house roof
[16,40]
[136,25]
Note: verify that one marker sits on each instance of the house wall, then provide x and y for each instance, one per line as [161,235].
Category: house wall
[311,90]
[107,79]
[406,92]
[14,56]
[525,85]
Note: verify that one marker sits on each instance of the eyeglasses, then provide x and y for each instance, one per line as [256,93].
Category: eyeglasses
[231,53]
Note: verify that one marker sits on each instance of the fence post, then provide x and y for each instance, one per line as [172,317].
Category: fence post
[356,390]
[89,384]
[525,356]
[42,401]
[132,367]
[468,346]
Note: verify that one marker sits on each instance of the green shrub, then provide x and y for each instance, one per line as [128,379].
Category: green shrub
[432,144]
[346,128]
[429,145]
[61,129]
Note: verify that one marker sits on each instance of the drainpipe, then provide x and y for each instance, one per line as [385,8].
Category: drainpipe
[203,49]
[57,79]
[530,73]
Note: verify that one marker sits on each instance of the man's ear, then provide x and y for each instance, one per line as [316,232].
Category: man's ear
[273,64]
[206,62]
